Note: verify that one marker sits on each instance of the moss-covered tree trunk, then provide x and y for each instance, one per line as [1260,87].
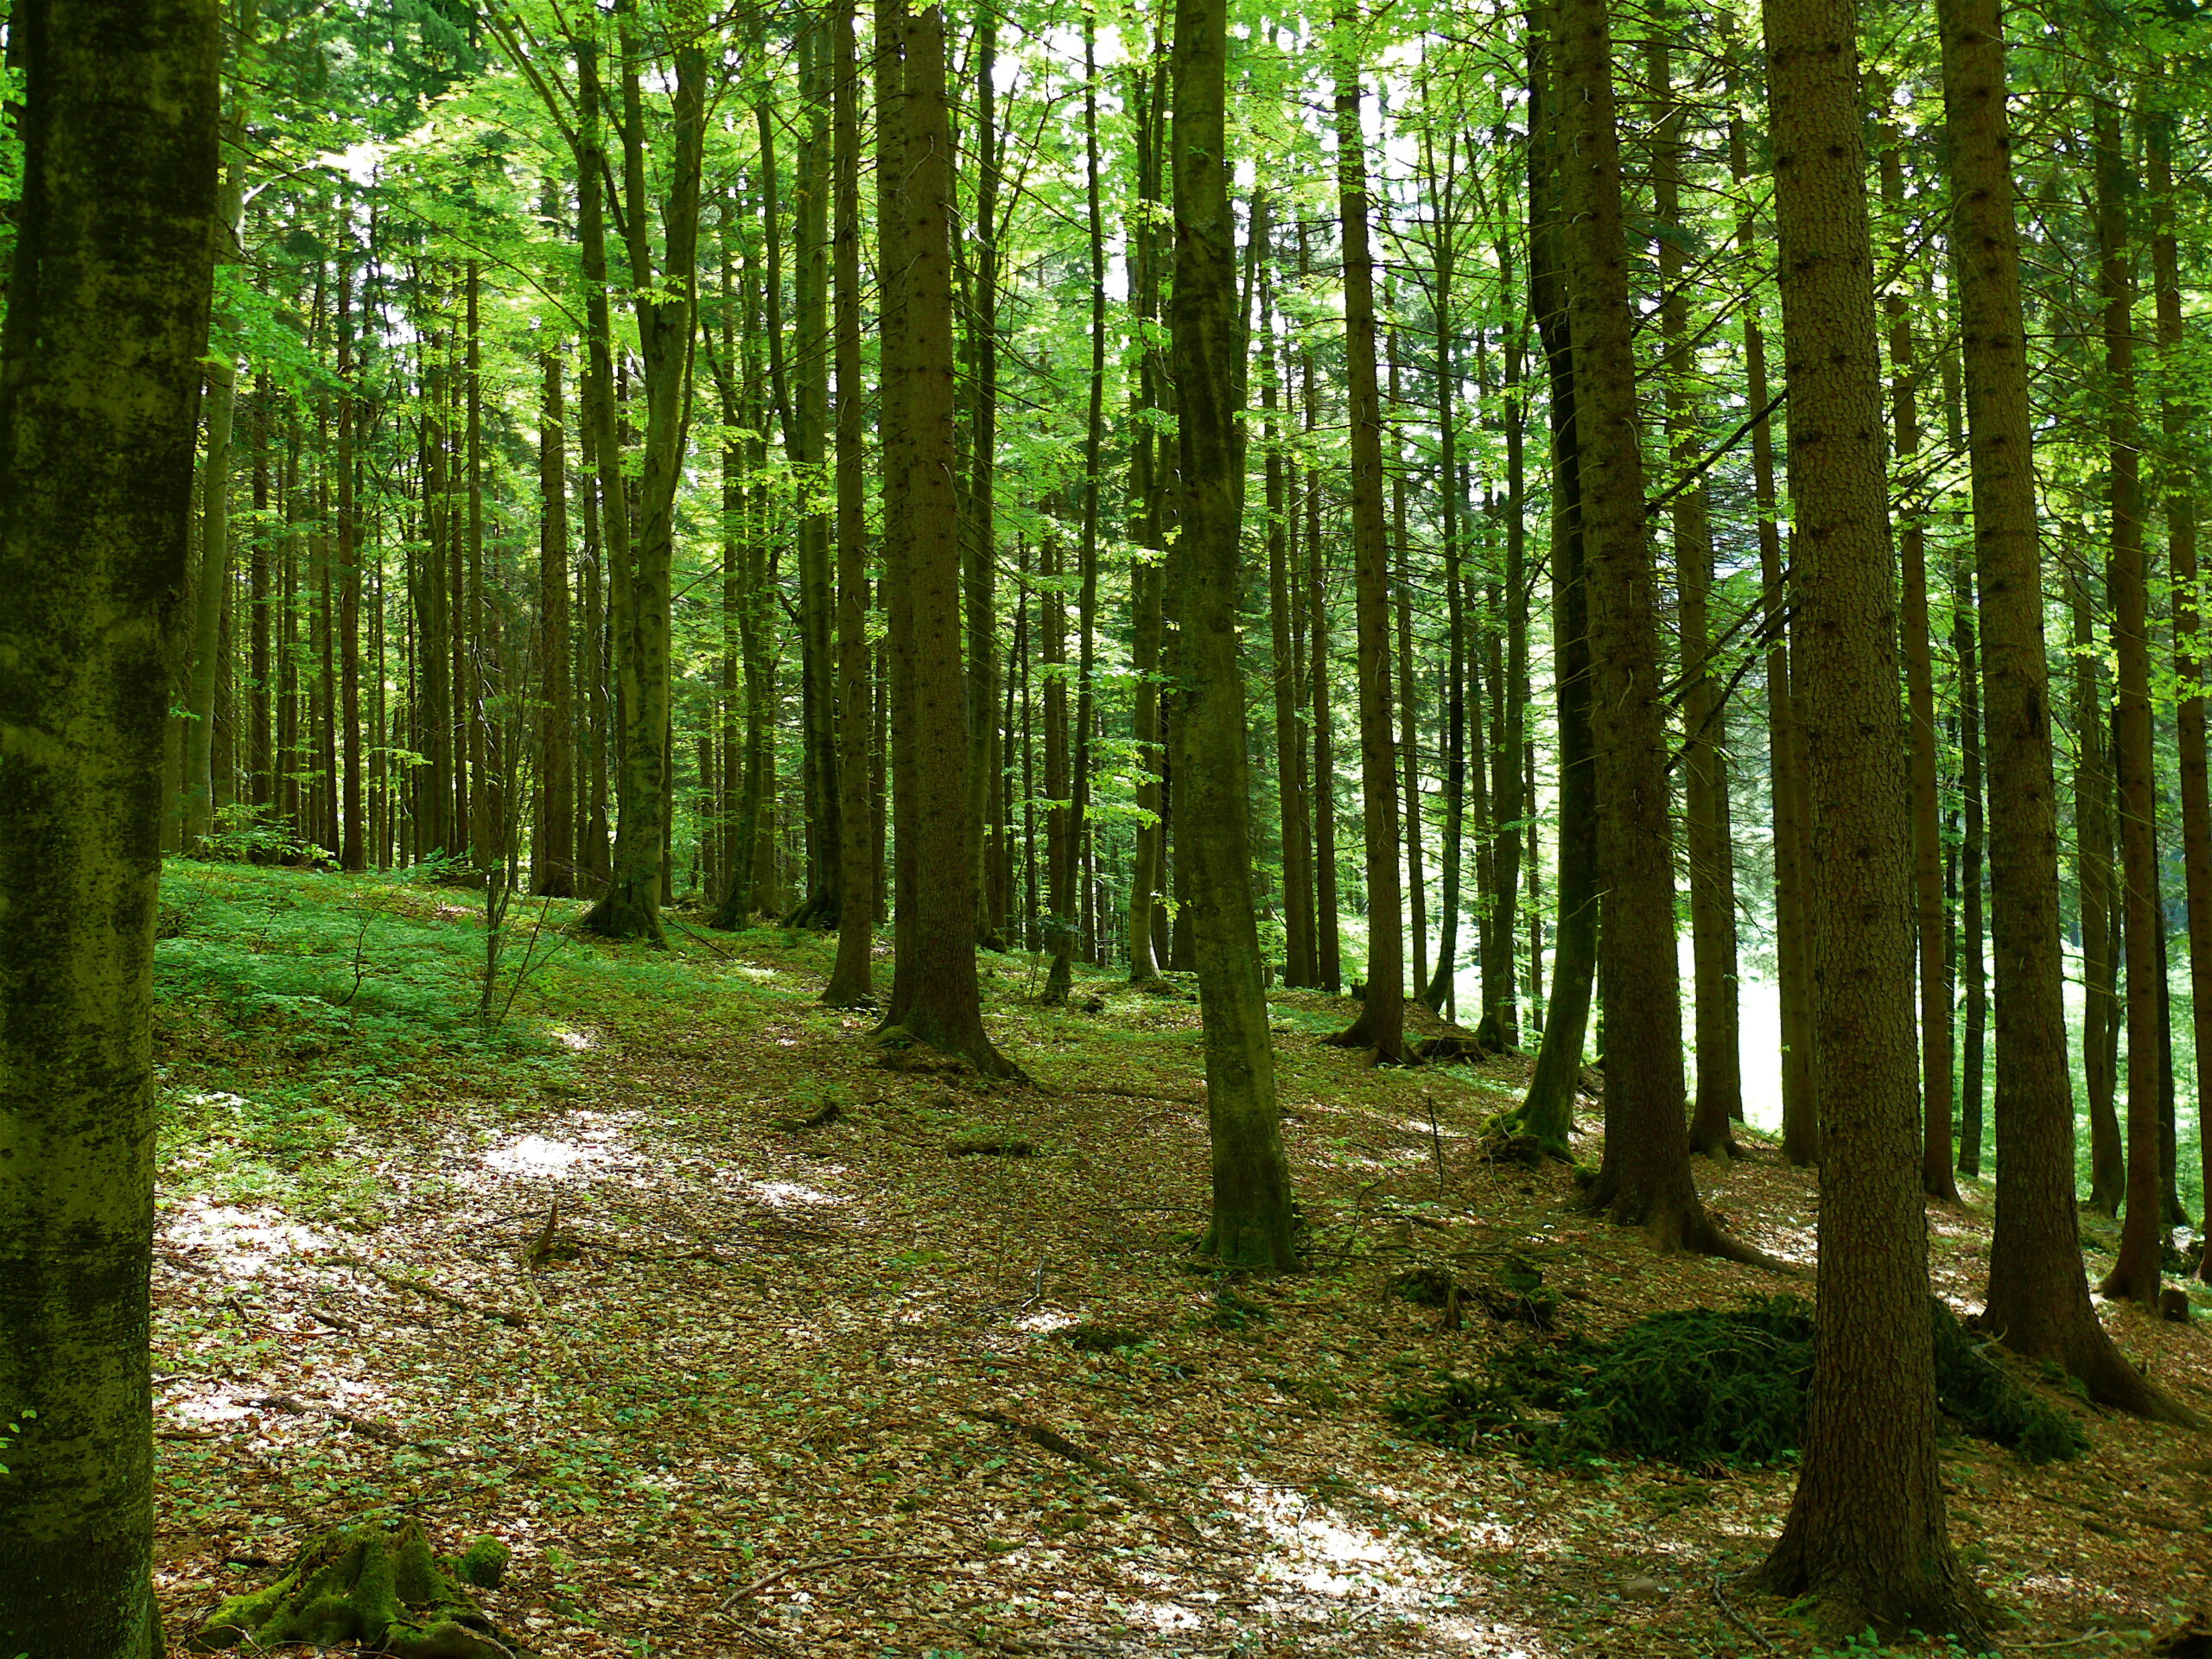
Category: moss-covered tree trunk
[666,306]
[99,379]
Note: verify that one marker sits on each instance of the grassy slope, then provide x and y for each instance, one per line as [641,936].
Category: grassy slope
[800,1391]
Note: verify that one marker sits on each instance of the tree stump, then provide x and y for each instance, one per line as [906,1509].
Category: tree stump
[381,1587]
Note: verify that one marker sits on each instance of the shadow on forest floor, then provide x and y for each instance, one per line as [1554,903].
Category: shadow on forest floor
[729,1384]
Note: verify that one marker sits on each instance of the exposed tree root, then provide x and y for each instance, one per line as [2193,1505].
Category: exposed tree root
[383,1588]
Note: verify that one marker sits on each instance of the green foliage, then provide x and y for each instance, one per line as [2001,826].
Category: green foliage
[1704,1388]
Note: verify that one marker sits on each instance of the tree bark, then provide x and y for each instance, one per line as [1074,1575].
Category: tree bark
[852,979]
[1930,913]
[2038,1297]
[1645,1179]
[1548,1112]
[2135,1274]
[665,305]
[1719,1097]
[2175,417]
[936,995]
[1381,1028]
[1252,1213]
[100,372]
[1866,1532]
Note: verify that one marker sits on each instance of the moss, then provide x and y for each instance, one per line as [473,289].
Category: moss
[1705,1387]
[374,1584]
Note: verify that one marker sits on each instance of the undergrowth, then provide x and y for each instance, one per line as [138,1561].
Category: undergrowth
[1705,1387]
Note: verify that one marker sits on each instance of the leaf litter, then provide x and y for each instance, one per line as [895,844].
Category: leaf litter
[730,1372]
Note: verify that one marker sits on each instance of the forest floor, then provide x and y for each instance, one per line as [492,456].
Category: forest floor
[728,1385]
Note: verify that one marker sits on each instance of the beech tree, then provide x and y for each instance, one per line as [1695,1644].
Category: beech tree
[100,373]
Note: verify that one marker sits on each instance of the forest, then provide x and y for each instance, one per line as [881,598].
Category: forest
[1106,827]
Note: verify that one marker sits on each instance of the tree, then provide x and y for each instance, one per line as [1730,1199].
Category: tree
[1381,1028]
[852,979]
[100,370]
[1866,1531]
[1645,1179]
[1253,1217]
[935,997]
[2135,1274]
[2038,1295]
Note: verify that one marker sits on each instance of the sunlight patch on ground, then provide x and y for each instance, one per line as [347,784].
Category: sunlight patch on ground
[536,1155]
[1041,1323]
[244,1242]
[779,1194]
[581,1041]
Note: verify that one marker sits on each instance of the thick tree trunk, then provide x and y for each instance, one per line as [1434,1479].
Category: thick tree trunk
[1381,1028]
[1645,1179]
[100,370]
[2038,1297]
[1253,1213]
[1866,1531]
[936,996]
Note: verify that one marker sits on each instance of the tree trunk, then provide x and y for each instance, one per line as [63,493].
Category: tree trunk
[1148,574]
[936,996]
[1800,1125]
[2177,415]
[665,306]
[852,979]
[213,578]
[555,840]
[1930,913]
[1705,777]
[1866,1532]
[2136,1274]
[1501,1027]
[1645,1179]
[1381,1028]
[1252,1208]
[1076,928]
[2038,1297]
[2094,886]
[100,370]
[1975,1023]
[1441,992]
[1548,1112]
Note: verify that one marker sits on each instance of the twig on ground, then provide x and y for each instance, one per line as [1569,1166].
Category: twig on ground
[1720,1600]
[761,1583]
[399,1280]
[293,1407]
